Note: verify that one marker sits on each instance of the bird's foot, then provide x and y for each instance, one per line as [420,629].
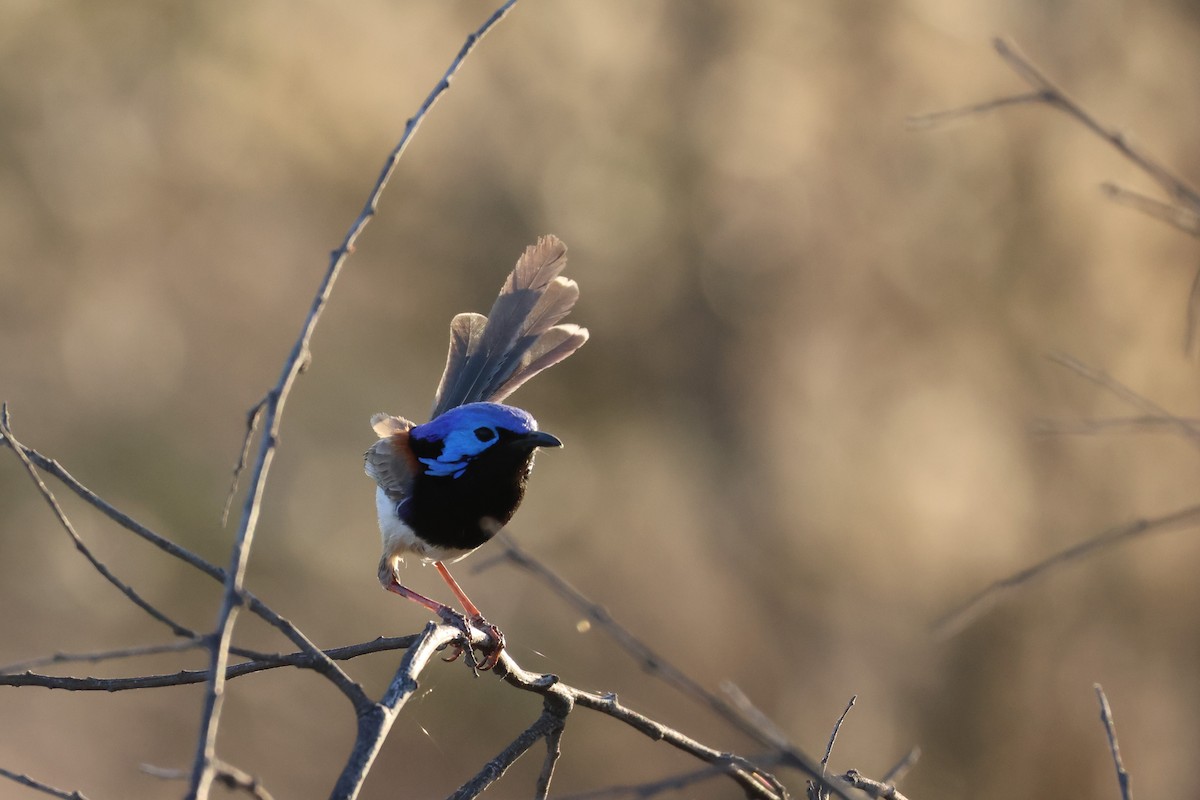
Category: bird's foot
[491,651]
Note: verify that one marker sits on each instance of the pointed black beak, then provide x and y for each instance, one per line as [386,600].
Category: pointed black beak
[540,439]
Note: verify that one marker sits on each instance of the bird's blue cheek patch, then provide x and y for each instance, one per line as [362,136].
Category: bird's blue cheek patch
[458,448]
[443,469]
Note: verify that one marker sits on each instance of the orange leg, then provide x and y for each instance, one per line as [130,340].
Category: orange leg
[467,605]
[492,657]
[395,587]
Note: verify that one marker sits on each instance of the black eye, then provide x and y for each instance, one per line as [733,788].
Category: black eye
[485,434]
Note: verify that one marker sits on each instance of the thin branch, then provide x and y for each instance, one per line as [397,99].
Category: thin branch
[302,660]
[252,418]
[84,550]
[553,753]
[1143,423]
[550,722]
[102,655]
[318,662]
[876,789]
[1127,395]
[1179,217]
[1048,93]
[227,775]
[671,783]
[654,663]
[1110,728]
[837,726]
[901,767]
[815,789]
[275,401]
[958,619]
[754,781]
[376,721]
[44,788]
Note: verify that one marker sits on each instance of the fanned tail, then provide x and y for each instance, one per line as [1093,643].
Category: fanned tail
[491,356]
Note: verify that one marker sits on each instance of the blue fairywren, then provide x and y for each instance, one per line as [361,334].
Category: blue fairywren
[447,486]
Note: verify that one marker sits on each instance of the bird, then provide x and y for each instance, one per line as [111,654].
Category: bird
[447,486]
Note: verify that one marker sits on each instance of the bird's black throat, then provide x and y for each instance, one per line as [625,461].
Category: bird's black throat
[466,511]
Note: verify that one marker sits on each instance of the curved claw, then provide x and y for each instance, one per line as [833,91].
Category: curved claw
[492,654]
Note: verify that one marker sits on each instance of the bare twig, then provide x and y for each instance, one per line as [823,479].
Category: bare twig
[1110,728]
[84,550]
[1127,395]
[44,788]
[274,402]
[252,418]
[318,663]
[1183,212]
[303,660]
[754,781]
[549,724]
[101,655]
[553,753]
[964,615]
[837,726]
[375,721]
[901,767]
[876,789]
[227,775]
[1143,423]
[1048,93]
[816,790]
[656,664]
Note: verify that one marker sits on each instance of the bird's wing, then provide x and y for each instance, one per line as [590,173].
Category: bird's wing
[390,461]
[491,356]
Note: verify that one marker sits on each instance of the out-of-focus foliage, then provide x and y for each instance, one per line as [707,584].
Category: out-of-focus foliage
[799,434]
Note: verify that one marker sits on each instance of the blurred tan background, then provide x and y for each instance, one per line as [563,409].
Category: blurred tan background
[800,433]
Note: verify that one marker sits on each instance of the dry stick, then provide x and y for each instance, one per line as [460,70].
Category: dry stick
[318,662]
[97,564]
[227,775]
[44,788]
[252,417]
[1180,217]
[752,779]
[301,659]
[101,655]
[274,403]
[1110,728]
[550,723]
[1048,93]
[375,723]
[1185,217]
[1144,423]
[553,753]
[959,618]
[1123,392]
[876,789]
[901,767]
[815,790]
[671,783]
[654,663]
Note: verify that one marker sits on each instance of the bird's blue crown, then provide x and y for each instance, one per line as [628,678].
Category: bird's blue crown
[466,431]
